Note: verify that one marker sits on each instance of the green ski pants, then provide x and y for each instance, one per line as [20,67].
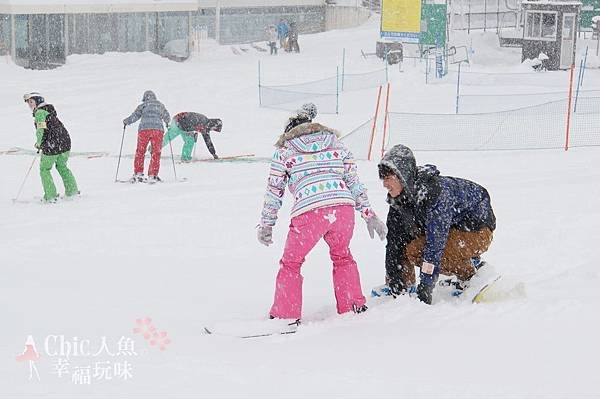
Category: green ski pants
[46,164]
[188,141]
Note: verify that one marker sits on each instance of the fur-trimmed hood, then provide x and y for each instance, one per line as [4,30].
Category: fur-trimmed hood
[306,129]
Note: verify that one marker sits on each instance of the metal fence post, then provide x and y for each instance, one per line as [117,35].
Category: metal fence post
[458,87]
[259,90]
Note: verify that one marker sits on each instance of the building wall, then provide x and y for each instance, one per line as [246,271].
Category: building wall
[44,40]
[5,34]
[125,32]
[337,17]
[243,25]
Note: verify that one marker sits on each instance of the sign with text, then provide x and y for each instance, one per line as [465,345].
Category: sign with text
[401,19]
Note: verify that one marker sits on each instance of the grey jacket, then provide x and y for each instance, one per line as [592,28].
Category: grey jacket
[151,112]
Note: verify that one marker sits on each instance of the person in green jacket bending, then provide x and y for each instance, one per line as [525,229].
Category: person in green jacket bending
[53,140]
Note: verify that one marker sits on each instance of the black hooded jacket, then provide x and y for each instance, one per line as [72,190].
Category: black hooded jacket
[430,205]
[55,138]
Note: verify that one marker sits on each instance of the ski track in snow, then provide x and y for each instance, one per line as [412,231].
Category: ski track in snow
[186,254]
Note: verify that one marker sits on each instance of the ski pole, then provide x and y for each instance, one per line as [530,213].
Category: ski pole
[120,151]
[173,159]
[26,176]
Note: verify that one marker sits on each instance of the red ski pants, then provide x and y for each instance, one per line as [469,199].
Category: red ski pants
[155,137]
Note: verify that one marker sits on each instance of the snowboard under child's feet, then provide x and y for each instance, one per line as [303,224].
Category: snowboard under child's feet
[255,328]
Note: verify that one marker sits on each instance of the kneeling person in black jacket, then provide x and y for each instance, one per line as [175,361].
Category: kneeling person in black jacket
[439,223]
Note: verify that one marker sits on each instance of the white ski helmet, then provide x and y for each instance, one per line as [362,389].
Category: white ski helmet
[37,97]
[310,110]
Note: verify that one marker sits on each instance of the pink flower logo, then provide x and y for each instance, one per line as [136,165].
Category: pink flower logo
[151,334]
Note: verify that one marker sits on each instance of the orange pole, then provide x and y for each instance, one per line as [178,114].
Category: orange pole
[385,120]
[569,109]
[374,124]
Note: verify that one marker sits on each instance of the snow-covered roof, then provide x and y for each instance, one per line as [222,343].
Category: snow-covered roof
[108,6]
[94,6]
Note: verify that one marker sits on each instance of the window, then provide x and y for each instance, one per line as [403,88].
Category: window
[541,25]
[5,34]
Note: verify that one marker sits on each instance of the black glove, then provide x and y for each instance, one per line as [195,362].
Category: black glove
[425,293]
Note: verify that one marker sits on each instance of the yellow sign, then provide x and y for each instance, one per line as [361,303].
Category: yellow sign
[401,18]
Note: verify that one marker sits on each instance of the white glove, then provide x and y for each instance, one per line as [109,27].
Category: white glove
[265,235]
[375,225]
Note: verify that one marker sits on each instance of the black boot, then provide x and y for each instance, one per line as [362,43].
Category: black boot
[397,288]
[359,309]
[425,293]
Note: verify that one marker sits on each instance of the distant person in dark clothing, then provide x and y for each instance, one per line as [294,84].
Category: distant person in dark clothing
[293,38]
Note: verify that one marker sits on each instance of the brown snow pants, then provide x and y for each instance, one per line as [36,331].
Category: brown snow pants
[456,261]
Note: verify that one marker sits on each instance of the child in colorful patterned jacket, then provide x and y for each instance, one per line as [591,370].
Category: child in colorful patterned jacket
[321,174]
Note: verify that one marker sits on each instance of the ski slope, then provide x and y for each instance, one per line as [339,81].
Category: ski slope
[185,254]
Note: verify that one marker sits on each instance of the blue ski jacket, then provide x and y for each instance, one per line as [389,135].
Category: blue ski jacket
[431,205]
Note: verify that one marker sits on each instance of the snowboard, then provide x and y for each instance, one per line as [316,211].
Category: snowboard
[253,335]
[246,329]
[478,291]
[483,292]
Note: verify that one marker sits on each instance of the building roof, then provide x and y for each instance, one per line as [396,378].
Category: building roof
[94,6]
[113,6]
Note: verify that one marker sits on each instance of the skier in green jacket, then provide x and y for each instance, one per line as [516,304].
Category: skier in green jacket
[53,140]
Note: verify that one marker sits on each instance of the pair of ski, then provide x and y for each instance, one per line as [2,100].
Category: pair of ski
[146,181]
[292,330]
[41,201]
[241,157]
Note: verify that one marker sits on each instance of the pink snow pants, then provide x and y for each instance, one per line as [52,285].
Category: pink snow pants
[155,137]
[335,224]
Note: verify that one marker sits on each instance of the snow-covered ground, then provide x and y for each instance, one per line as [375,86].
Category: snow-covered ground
[185,254]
